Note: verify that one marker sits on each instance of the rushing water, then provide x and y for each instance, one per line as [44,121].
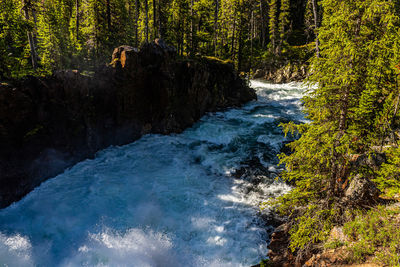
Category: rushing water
[162,200]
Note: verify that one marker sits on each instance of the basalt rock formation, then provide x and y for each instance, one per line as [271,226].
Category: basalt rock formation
[49,124]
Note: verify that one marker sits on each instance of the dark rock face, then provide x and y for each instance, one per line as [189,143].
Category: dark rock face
[279,252]
[361,192]
[49,124]
[284,74]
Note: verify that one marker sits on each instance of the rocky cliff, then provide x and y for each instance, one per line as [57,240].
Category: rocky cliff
[290,72]
[48,124]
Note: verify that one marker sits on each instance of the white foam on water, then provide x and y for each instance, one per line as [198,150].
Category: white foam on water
[15,250]
[133,248]
[162,200]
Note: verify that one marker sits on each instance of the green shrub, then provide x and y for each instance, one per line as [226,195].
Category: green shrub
[375,232]
[388,179]
[334,244]
[312,227]
[265,263]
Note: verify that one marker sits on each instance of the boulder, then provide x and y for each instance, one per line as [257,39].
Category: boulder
[123,55]
[337,234]
[361,191]
[259,74]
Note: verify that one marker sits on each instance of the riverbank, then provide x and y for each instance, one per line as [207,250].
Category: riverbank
[363,233]
[49,124]
[364,230]
[147,202]
[369,238]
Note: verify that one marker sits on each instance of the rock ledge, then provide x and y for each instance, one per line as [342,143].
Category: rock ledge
[49,124]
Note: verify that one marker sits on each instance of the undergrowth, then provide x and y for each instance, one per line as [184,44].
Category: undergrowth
[375,233]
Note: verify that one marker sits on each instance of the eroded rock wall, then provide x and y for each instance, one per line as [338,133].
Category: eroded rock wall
[49,124]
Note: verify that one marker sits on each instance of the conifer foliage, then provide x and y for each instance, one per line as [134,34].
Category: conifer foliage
[81,34]
[353,111]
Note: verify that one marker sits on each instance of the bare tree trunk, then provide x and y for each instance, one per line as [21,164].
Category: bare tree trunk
[34,33]
[160,20]
[216,11]
[180,35]
[240,48]
[316,23]
[251,38]
[191,28]
[146,10]
[137,8]
[182,31]
[77,19]
[241,33]
[155,19]
[96,33]
[233,39]
[108,14]
[30,37]
[263,27]
[273,20]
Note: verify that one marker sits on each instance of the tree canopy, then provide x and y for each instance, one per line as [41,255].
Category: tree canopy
[57,34]
[353,112]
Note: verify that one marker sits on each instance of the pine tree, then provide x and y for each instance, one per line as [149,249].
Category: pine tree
[263,19]
[351,109]
[81,33]
[27,8]
[216,12]
[284,23]
[54,33]
[273,31]
[13,39]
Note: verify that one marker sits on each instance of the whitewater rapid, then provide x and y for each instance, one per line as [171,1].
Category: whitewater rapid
[162,200]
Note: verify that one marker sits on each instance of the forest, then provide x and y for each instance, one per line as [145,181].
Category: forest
[42,36]
[344,164]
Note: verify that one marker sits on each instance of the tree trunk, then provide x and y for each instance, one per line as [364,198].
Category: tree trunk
[180,35]
[251,38]
[137,8]
[30,37]
[77,19]
[263,27]
[34,33]
[233,39]
[336,171]
[216,11]
[160,20]
[146,10]
[108,14]
[191,28]
[273,10]
[396,110]
[240,48]
[155,19]
[316,23]
[337,174]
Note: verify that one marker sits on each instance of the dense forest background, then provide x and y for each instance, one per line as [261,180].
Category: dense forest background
[344,164]
[56,34]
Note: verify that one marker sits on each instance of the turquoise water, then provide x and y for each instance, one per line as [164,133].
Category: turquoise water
[162,200]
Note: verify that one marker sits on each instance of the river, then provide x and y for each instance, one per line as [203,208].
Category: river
[162,200]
